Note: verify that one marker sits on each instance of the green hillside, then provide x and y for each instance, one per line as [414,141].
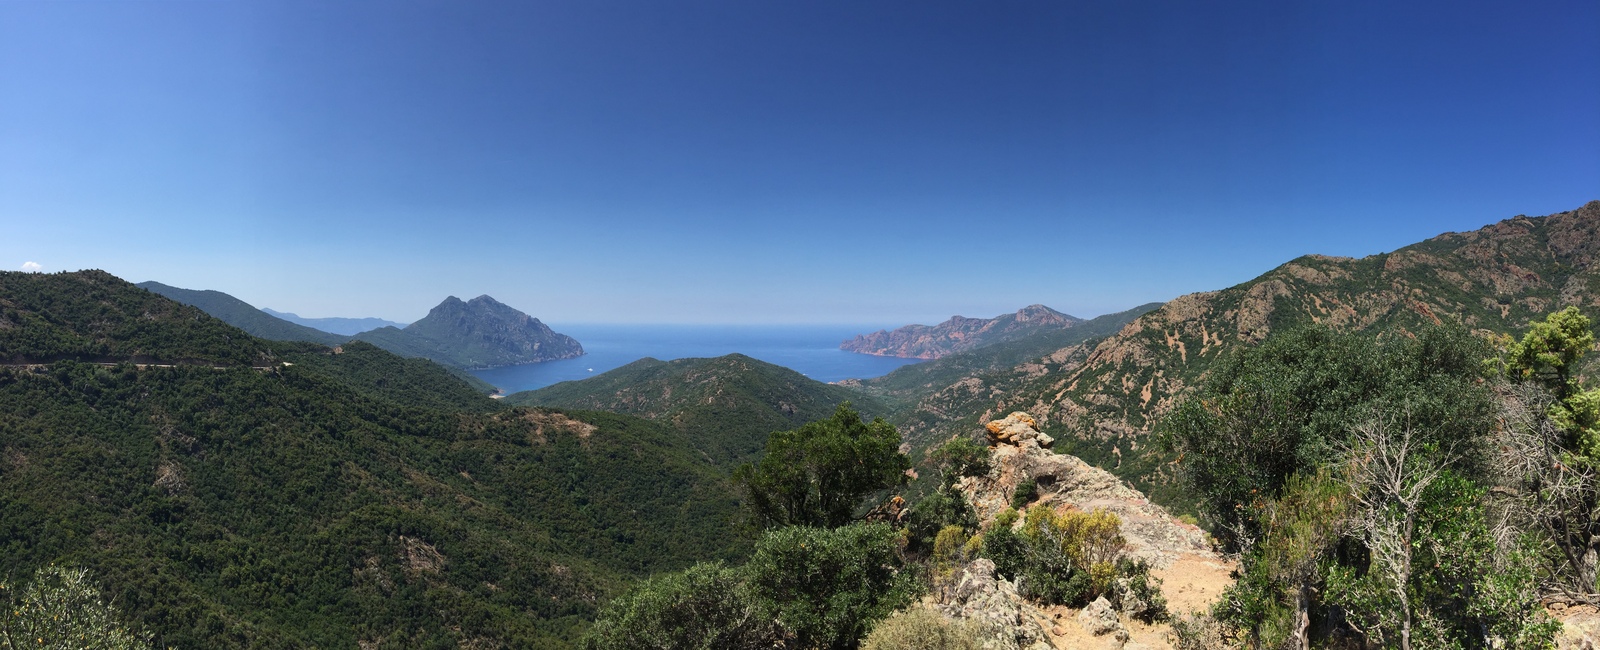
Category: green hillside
[726,405]
[337,501]
[95,316]
[240,314]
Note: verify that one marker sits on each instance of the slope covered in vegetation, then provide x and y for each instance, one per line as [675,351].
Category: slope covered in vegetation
[726,405]
[242,315]
[334,501]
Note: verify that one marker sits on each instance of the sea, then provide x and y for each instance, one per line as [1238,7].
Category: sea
[811,350]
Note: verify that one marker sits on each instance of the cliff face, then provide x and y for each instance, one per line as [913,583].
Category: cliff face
[957,334]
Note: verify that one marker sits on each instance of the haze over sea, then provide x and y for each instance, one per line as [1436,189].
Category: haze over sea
[811,350]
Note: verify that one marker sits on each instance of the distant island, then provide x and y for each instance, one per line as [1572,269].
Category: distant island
[958,334]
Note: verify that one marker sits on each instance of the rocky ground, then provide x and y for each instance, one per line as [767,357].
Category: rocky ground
[1192,574]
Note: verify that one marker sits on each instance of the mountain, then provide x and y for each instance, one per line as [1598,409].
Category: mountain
[345,326]
[476,334]
[235,492]
[726,405]
[914,394]
[1101,400]
[240,314]
[958,334]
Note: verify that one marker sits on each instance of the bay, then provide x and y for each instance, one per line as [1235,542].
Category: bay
[811,350]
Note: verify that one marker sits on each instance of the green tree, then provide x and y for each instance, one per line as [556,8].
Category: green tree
[706,607]
[960,458]
[828,587]
[818,474]
[1549,352]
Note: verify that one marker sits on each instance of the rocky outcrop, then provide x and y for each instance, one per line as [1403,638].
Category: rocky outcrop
[957,334]
[1191,574]
[1008,622]
[1062,481]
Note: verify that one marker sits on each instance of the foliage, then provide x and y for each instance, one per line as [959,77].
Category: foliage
[945,508]
[827,587]
[1548,460]
[240,314]
[62,609]
[706,607]
[1548,353]
[818,474]
[1137,592]
[728,405]
[1464,591]
[283,508]
[960,458]
[918,628]
[1008,550]
[1057,558]
[1374,522]
[949,548]
[1284,407]
[1025,493]
[94,316]
[378,374]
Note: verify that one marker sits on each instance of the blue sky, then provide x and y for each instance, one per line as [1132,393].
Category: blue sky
[759,161]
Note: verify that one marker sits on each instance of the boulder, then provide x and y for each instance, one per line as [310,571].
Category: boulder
[1015,428]
[1100,619]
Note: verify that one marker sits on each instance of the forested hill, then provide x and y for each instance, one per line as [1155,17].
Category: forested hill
[95,316]
[959,334]
[1102,401]
[242,315]
[726,405]
[281,495]
[477,333]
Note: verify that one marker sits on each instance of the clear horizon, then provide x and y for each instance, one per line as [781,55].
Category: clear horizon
[727,162]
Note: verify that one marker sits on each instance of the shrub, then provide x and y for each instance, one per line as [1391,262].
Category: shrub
[944,508]
[1026,492]
[1003,546]
[1137,592]
[949,547]
[920,629]
[705,607]
[1091,540]
[827,587]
